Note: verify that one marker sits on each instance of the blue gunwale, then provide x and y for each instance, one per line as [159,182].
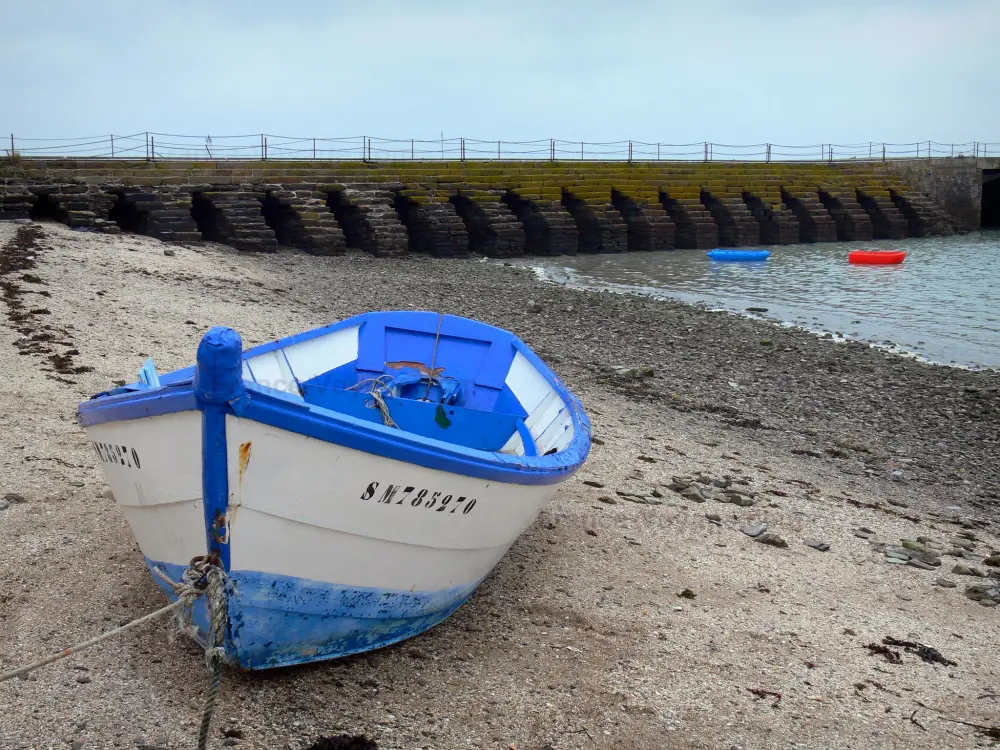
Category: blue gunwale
[279,409]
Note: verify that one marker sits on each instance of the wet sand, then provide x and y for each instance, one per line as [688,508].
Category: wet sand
[580,638]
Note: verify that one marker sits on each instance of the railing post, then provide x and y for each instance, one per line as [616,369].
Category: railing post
[498,150]
[369,148]
[928,150]
[112,145]
[364,147]
[411,149]
[768,152]
[630,152]
[147,145]
[262,157]
[152,146]
[869,149]
[657,151]
[314,149]
[11,145]
[829,153]
[552,149]
[581,150]
[883,152]
[461,143]
[265,149]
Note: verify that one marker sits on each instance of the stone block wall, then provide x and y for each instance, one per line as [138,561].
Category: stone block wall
[500,209]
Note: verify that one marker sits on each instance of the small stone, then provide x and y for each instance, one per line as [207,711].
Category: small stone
[967,570]
[916,563]
[978,592]
[743,501]
[233,732]
[771,539]
[693,493]
[680,483]
[4,505]
[897,552]
[817,545]
[592,483]
[898,503]
[956,552]
[864,534]
[896,561]
[993,561]
[83,679]
[945,583]
[714,517]
[754,529]
[170,253]
[687,594]
[963,544]
[722,483]
[534,307]
[912,545]
[14,497]
[591,532]
[607,499]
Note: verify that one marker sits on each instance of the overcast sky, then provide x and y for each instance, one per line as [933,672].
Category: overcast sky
[841,71]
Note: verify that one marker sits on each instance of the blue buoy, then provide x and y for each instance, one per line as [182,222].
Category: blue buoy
[719,254]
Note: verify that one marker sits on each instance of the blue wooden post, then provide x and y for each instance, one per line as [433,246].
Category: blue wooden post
[218,379]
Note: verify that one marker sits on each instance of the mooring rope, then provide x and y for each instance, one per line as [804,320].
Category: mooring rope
[201,577]
[215,655]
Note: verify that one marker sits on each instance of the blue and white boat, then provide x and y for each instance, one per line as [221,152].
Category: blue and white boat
[356,482]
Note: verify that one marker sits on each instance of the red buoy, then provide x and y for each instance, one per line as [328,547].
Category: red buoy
[877,257]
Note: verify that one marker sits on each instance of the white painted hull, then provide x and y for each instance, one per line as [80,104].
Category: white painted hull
[323,518]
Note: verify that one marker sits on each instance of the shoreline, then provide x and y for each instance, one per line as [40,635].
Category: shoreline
[541,273]
[637,612]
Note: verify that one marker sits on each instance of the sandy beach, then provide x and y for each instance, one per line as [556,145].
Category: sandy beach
[637,612]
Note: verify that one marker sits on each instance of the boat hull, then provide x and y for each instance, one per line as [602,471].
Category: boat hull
[738,255]
[876,257]
[332,551]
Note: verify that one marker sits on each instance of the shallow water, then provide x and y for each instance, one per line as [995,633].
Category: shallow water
[942,303]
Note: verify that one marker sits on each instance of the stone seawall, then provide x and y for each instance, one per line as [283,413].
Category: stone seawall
[499,209]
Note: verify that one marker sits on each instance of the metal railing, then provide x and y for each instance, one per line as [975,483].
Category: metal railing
[262,146]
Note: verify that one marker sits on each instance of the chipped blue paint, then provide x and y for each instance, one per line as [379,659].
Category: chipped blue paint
[277,620]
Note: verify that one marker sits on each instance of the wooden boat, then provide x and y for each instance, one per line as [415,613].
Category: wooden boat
[876,257]
[356,482]
[738,255]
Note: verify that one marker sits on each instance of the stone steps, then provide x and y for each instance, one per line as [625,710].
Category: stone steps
[815,222]
[368,218]
[549,229]
[853,222]
[648,227]
[493,229]
[238,220]
[887,221]
[695,227]
[778,226]
[433,228]
[737,226]
[922,219]
[300,218]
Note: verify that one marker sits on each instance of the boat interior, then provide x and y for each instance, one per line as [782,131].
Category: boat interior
[435,376]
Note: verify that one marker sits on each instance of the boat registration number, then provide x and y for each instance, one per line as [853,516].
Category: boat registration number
[417,497]
[117,454]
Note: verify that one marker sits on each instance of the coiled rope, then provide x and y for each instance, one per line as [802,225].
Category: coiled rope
[201,577]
